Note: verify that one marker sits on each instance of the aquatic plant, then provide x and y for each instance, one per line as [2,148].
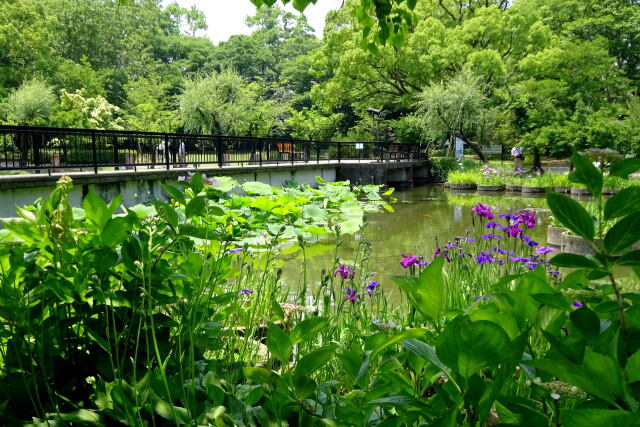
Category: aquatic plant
[152,315]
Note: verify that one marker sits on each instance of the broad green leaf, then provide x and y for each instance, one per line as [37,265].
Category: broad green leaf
[261,375]
[304,386]
[427,291]
[573,261]
[196,183]
[224,183]
[401,400]
[96,210]
[315,360]
[263,203]
[278,343]
[172,413]
[308,329]
[623,234]
[586,321]
[168,213]
[408,334]
[631,259]
[116,231]
[317,230]
[598,374]
[571,214]
[466,346]
[597,418]
[259,188]
[315,212]
[114,204]
[81,416]
[196,206]
[623,203]
[587,174]
[625,167]
[175,193]
[633,367]
[143,210]
[429,354]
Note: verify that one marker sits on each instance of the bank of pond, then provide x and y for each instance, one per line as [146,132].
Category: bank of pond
[186,311]
[490,179]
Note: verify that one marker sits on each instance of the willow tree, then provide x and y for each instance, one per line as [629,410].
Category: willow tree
[225,103]
[456,108]
[213,104]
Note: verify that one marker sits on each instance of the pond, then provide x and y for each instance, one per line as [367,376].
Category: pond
[424,218]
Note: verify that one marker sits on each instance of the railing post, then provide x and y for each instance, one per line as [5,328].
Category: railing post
[94,151]
[218,141]
[318,152]
[260,146]
[307,153]
[116,159]
[166,151]
[339,151]
[381,151]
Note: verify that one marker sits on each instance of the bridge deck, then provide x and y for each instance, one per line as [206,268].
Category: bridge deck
[44,179]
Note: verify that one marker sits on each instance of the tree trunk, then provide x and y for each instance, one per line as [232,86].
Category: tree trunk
[537,163]
[475,147]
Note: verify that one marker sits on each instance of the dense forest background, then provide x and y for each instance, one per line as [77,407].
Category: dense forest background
[552,75]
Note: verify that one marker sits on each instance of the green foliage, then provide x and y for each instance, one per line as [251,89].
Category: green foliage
[310,124]
[30,104]
[79,111]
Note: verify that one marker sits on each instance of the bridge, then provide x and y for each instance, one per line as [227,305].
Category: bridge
[135,164]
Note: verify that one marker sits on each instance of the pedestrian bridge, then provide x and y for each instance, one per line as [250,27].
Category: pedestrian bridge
[35,158]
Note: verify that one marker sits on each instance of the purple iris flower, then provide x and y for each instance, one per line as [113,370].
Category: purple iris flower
[246,291]
[371,287]
[519,259]
[235,251]
[529,241]
[344,271]
[470,239]
[502,251]
[543,250]
[482,211]
[423,263]
[477,298]
[527,218]
[492,224]
[351,295]
[531,265]
[446,256]
[484,257]
[514,230]
[408,261]
[491,236]
[508,216]
[450,245]
[577,304]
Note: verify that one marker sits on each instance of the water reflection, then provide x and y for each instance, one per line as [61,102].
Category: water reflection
[425,217]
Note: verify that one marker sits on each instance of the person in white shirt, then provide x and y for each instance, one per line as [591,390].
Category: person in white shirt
[518,157]
[182,154]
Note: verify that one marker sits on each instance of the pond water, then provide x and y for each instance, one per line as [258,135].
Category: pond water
[424,218]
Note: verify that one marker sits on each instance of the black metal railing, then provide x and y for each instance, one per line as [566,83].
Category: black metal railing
[43,148]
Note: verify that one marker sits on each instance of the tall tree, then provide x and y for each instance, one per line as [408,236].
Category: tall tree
[456,108]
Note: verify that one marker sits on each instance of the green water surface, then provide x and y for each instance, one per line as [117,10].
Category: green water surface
[424,218]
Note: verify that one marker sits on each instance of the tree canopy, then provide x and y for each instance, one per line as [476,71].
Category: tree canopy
[552,75]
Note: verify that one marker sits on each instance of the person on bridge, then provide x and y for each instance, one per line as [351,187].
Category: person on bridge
[182,154]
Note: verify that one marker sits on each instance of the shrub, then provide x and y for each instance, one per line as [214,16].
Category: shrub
[464,177]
